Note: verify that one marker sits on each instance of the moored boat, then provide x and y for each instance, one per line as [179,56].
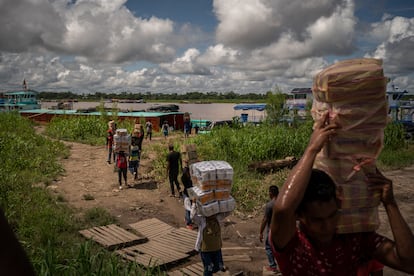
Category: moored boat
[24,99]
[19,100]
[164,108]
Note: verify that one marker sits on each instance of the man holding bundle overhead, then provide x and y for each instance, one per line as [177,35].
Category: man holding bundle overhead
[314,247]
[334,190]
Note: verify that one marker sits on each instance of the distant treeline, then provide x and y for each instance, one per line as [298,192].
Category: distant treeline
[148,96]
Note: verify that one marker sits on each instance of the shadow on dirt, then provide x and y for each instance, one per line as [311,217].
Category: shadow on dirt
[145,185]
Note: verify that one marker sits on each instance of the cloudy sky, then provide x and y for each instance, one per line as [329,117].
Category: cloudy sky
[179,46]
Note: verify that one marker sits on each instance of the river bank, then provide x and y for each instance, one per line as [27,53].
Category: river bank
[198,111]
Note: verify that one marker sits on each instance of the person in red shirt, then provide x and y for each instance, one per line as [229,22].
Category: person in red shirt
[122,165]
[312,246]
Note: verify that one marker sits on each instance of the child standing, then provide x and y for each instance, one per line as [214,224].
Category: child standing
[165,128]
[148,125]
[273,193]
[122,165]
[134,157]
[187,183]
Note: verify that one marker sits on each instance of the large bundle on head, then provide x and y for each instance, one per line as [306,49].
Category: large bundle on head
[212,186]
[112,125]
[122,140]
[353,93]
[189,154]
[137,127]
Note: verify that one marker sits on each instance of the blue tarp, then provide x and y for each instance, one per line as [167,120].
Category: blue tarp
[259,107]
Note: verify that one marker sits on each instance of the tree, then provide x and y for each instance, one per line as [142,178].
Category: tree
[275,105]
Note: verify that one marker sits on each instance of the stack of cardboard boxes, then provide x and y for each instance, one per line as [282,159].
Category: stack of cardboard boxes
[188,154]
[212,182]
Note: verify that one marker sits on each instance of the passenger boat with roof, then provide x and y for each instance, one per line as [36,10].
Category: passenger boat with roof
[24,99]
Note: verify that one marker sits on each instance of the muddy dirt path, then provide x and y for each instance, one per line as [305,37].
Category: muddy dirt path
[88,174]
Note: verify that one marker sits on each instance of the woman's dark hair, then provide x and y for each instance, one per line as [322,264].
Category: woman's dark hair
[320,188]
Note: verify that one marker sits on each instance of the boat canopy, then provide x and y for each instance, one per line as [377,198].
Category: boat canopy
[259,107]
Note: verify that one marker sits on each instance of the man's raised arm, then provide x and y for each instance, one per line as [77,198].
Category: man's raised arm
[283,225]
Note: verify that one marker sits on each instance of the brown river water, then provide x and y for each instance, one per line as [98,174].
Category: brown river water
[211,111]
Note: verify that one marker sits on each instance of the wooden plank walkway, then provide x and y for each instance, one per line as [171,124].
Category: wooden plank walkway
[112,236]
[196,269]
[181,240]
[151,253]
[160,244]
[152,227]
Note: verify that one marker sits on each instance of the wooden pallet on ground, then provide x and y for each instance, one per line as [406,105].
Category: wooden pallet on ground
[191,270]
[197,269]
[181,239]
[152,253]
[152,227]
[112,236]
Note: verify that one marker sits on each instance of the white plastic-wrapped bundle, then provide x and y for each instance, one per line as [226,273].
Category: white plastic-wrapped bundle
[227,205]
[353,93]
[122,132]
[224,171]
[208,209]
[203,197]
[221,194]
[122,142]
[208,172]
[203,173]
[212,186]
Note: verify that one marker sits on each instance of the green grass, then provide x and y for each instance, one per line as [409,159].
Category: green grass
[46,228]
[398,152]
[98,216]
[84,129]
[241,146]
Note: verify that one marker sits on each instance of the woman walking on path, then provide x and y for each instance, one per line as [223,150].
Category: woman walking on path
[148,125]
[165,128]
